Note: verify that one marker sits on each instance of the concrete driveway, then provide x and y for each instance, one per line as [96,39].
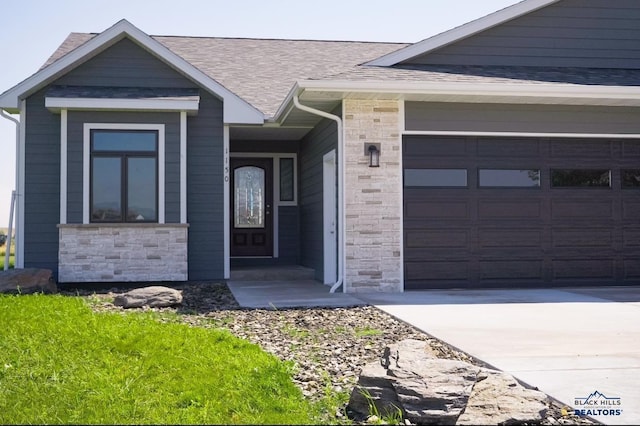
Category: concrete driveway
[570,343]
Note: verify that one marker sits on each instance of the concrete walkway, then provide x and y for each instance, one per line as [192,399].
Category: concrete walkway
[569,343]
[289,294]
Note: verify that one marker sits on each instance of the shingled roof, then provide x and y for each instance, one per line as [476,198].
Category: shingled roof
[261,71]
[493,75]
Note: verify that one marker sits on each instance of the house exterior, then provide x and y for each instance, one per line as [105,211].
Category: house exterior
[506,152]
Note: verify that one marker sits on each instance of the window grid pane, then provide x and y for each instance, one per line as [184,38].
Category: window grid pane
[124,176]
[141,189]
[286,179]
[110,140]
[584,178]
[630,178]
[106,189]
[443,178]
[511,178]
[249,189]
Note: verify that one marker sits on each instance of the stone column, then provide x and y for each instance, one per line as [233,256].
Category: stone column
[373,197]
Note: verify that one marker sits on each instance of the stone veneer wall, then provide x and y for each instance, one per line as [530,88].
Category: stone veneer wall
[122,252]
[373,197]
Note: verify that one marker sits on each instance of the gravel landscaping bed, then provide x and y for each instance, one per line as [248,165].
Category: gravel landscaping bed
[328,346]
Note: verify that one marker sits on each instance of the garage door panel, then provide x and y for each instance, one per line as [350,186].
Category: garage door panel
[512,148]
[631,268]
[437,147]
[458,209]
[436,271]
[631,209]
[583,268]
[511,269]
[631,149]
[505,235]
[631,238]
[437,239]
[582,237]
[509,238]
[582,208]
[517,208]
[577,149]
[437,255]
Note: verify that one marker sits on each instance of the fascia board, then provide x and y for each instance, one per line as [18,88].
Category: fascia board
[286,105]
[472,89]
[236,110]
[461,32]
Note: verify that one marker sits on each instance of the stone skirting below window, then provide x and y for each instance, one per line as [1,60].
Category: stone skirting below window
[122,252]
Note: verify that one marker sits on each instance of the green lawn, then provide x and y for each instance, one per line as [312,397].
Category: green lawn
[62,363]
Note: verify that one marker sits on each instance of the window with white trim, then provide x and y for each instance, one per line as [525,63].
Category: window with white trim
[124,175]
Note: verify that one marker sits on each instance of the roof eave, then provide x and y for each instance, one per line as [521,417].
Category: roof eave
[532,93]
[236,110]
[461,32]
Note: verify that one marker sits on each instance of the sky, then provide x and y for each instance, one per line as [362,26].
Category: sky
[31,30]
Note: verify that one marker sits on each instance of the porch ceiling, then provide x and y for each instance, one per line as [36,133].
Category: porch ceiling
[275,133]
[295,125]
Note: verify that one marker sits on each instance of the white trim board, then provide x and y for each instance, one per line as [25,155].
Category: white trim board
[183,167]
[401,129]
[226,215]
[63,166]
[330,217]
[86,158]
[20,184]
[524,134]
[98,104]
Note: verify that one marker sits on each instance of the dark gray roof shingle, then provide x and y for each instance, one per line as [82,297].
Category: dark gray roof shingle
[493,74]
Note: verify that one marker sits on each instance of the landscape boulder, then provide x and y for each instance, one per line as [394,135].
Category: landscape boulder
[409,382]
[153,296]
[497,398]
[27,281]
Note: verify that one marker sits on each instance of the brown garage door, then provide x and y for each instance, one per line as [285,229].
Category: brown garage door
[507,212]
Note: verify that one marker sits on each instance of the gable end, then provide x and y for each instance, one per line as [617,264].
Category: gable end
[569,33]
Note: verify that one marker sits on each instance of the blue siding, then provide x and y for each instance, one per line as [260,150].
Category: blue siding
[125,64]
[450,116]
[322,139]
[570,33]
[42,185]
[205,196]
[288,235]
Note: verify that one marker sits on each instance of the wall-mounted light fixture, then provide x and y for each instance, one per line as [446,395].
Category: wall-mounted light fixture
[373,151]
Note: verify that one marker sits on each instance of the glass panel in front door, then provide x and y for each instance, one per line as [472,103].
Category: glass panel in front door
[249,197]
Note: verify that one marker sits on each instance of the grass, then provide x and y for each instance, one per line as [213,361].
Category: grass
[62,363]
[368,331]
[3,253]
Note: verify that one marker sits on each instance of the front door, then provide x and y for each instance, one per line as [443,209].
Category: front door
[251,207]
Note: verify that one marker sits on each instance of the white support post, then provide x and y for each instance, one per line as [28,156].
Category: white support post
[10,231]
